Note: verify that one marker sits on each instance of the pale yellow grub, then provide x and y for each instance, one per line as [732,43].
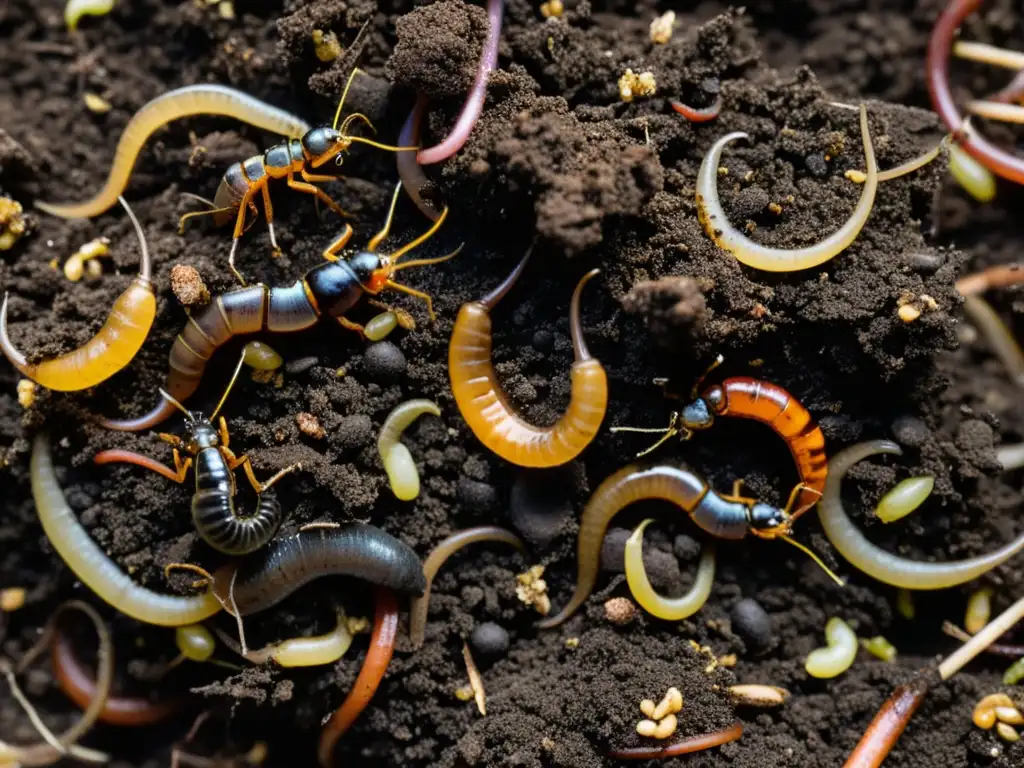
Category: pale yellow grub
[836,657]
[647,707]
[646,728]
[398,462]
[666,727]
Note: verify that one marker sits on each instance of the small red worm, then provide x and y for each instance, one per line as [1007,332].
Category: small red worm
[684,747]
[940,45]
[382,645]
[698,115]
[79,686]
[890,722]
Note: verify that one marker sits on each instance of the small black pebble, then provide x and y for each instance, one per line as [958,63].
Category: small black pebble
[752,623]
[301,365]
[489,640]
[385,362]
[911,431]
[543,341]
[750,202]
[685,547]
[816,165]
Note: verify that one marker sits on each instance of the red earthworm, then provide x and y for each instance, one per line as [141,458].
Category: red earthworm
[79,686]
[454,141]
[890,722]
[998,161]
[684,747]
[698,114]
[382,646]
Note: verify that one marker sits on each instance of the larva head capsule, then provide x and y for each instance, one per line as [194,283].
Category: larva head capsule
[768,521]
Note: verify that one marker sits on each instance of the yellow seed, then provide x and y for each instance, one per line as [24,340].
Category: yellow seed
[647,707]
[1007,733]
[95,103]
[759,695]
[979,610]
[226,9]
[975,178]
[984,718]
[857,177]
[195,642]
[380,326]
[994,700]
[904,497]
[262,356]
[909,313]
[93,269]
[879,647]
[26,393]
[646,728]
[1009,715]
[572,643]
[11,599]
[666,727]
[465,693]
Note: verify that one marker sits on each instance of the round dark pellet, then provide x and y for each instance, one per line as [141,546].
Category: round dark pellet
[753,624]
[911,431]
[816,165]
[489,640]
[385,362]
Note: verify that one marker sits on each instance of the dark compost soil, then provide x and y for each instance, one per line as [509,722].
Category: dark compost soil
[601,183]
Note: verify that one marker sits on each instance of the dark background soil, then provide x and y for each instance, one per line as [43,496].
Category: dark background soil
[603,184]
